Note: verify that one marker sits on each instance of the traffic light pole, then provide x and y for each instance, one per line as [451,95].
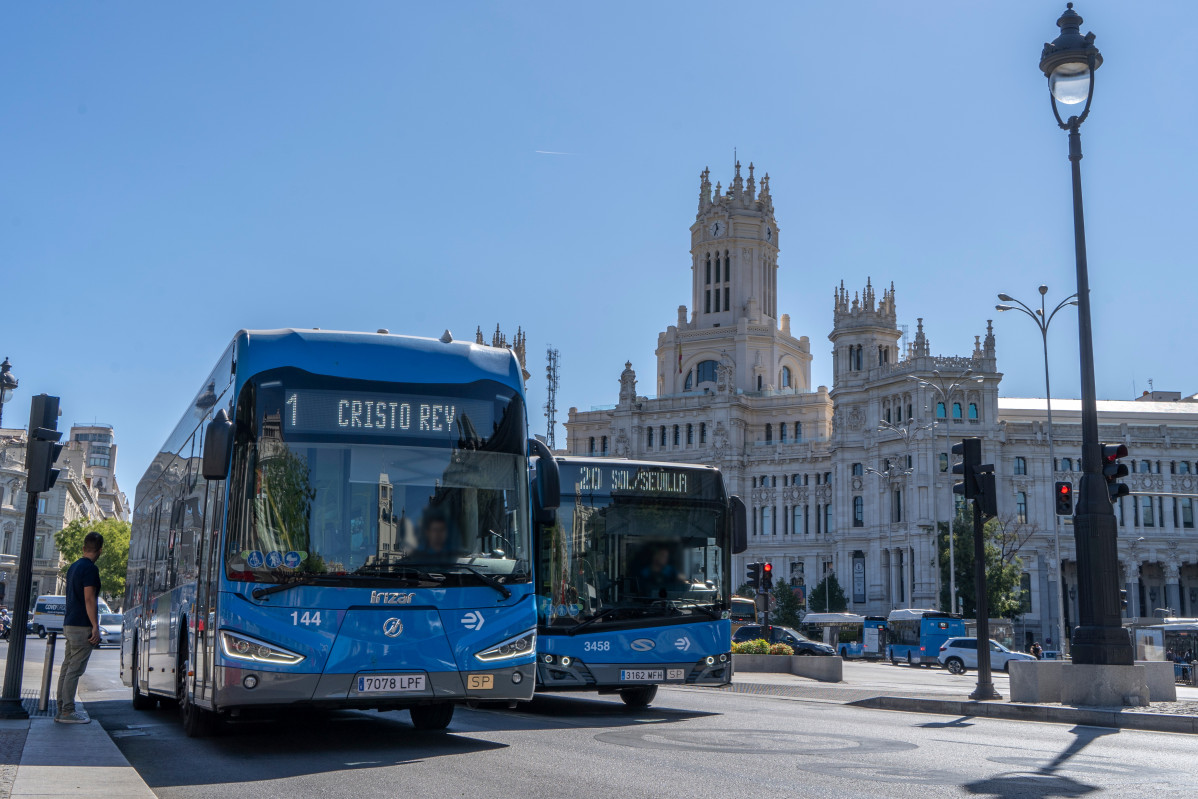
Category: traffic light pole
[985,687]
[1100,638]
[10,703]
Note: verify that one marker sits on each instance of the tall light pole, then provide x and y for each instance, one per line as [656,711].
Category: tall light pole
[8,384]
[945,387]
[1070,62]
[1042,317]
[905,431]
[889,476]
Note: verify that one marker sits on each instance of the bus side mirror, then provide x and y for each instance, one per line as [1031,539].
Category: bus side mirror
[740,517]
[218,442]
[548,489]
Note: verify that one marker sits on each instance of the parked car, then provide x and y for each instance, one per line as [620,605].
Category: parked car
[111,627]
[959,654]
[783,635]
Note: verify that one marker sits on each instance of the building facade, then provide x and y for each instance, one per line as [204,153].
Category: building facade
[854,480]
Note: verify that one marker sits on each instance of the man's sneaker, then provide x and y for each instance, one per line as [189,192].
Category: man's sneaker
[72,718]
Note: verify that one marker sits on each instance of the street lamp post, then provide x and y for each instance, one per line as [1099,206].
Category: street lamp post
[8,384]
[945,390]
[1070,62]
[1042,318]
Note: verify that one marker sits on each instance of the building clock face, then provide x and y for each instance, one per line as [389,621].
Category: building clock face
[769,234]
[716,228]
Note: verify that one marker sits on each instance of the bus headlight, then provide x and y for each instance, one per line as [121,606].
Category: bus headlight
[518,646]
[243,647]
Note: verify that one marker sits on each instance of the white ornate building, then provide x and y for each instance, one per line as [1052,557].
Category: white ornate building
[829,487]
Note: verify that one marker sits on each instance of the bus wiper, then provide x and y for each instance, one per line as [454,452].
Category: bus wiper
[603,614]
[694,603]
[258,593]
[483,577]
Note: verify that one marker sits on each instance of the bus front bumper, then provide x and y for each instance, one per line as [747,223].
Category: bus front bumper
[578,675]
[247,687]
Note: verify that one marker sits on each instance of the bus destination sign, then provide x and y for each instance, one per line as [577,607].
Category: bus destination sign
[358,413]
[645,480]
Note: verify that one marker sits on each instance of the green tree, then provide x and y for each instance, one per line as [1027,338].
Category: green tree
[114,560]
[1003,540]
[828,596]
[746,590]
[788,606]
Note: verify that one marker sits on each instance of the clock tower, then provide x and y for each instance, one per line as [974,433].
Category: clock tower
[734,340]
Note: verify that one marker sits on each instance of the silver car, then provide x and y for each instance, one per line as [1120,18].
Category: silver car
[111,625]
[959,654]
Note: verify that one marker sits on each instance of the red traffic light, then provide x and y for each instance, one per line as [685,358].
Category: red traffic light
[1064,502]
[767,568]
[1065,489]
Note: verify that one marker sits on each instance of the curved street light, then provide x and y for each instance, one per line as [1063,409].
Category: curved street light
[1069,62]
[1042,317]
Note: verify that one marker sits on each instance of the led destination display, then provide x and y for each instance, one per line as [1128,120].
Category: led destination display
[358,413]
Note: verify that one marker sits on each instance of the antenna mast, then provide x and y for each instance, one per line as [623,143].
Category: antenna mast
[552,358]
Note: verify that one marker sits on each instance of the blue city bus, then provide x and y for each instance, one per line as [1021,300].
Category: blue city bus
[634,579]
[853,636]
[339,520]
[914,636]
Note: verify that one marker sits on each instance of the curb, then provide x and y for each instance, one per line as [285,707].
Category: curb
[1090,717]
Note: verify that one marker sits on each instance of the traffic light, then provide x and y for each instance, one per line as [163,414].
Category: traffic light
[767,577]
[1064,498]
[987,494]
[970,450]
[754,575]
[42,450]
[1123,598]
[1112,470]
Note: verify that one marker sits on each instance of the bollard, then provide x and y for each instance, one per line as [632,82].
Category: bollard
[43,700]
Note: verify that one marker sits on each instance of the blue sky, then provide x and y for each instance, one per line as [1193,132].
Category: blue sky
[174,172]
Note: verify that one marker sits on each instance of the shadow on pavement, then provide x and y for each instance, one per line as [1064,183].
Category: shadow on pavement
[962,722]
[1044,781]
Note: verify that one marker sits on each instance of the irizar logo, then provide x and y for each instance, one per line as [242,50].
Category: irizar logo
[642,644]
[390,598]
[392,627]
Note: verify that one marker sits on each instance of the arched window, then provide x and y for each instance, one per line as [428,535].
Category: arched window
[717,267]
[677,439]
[708,281]
[782,432]
[898,414]
[909,414]
[858,512]
[1183,467]
[702,432]
[759,382]
[956,410]
[727,267]
[887,415]
[858,470]
[705,372]
[663,436]
[767,520]
[649,438]
[769,433]
[690,377]
[1021,507]
[8,542]
[798,431]
[973,410]
[1145,467]
[1020,464]
[1066,464]
[603,445]
[939,410]
[785,379]
[591,445]
[690,435]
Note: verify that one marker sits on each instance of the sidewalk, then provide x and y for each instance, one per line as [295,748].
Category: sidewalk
[40,758]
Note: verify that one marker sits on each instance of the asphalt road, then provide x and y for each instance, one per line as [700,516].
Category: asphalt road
[691,744]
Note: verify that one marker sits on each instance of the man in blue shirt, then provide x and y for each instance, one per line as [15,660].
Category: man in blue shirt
[80,627]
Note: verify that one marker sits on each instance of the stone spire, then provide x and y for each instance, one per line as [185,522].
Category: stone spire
[751,187]
[738,186]
[921,347]
[988,345]
[704,189]
[627,384]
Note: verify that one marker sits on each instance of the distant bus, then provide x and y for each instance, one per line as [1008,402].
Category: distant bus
[915,636]
[1001,630]
[744,611]
[853,636]
[338,520]
[634,580]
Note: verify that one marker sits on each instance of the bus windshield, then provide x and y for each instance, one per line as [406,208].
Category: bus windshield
[634,542]
[338,479]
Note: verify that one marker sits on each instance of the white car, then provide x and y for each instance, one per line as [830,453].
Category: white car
[111,626]
[959,654]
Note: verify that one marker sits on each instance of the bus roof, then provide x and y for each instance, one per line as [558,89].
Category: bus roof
[616,461]
[374,356]
[916,613]
[833,618]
